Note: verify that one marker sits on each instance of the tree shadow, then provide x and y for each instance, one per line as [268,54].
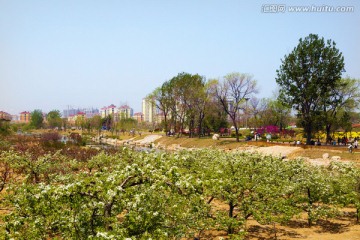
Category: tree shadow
[331,227]
[347,216]
[324,225]
[297,224]
[267,233]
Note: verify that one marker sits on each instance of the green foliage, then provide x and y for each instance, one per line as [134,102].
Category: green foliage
[215,117]
[345,122]
[127,124]
[157,195]
[344,99]
[5,128]
[276,113]
[54,119]
[150,198]
[96,122]
[311,70]
[185,101]
[37,119]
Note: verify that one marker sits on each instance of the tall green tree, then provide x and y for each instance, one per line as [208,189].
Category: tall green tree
[37,119]
[187,90]
[163,99]
[306,78]
[204,99]
[54,119]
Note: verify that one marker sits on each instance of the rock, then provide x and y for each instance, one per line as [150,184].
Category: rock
[216,136]
[335,158]
[325,156]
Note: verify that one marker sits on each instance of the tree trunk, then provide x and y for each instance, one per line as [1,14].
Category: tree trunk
[237,134]
[165,123]
[107,214]
[274,225]
[308,131]
[191,127]
[309,207]
[231,229]
[328,137]
[92,222]
[236,130]
[200,130]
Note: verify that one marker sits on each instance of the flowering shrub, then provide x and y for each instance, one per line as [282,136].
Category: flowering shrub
[271,129]
[275,130]
[142,195]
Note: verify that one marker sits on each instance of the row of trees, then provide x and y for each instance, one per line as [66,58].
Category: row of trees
[309,80]
[142,195]
[53,120]
[183,101]
[190,101]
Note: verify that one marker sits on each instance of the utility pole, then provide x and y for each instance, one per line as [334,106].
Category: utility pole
[246,111]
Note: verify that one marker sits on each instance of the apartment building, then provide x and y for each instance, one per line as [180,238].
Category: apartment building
[110,110]
[139,117]
[148,111]
[89,112]
[125,111]
[4,116]
[25,117]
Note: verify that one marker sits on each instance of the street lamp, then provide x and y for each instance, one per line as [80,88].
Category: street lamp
[246,106]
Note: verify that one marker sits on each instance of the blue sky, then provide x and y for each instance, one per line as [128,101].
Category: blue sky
[88,53]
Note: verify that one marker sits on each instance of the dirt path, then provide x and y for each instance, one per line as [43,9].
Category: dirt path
[148,139]
[276,151]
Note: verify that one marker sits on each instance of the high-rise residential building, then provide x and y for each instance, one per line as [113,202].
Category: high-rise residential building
[125,111]
[70,112]
[72,118]
[103,112]
[148,110]
[139,117]
[89,112]
[110,110]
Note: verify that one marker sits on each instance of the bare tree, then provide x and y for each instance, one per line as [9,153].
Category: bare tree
[255,108]
[232,92]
